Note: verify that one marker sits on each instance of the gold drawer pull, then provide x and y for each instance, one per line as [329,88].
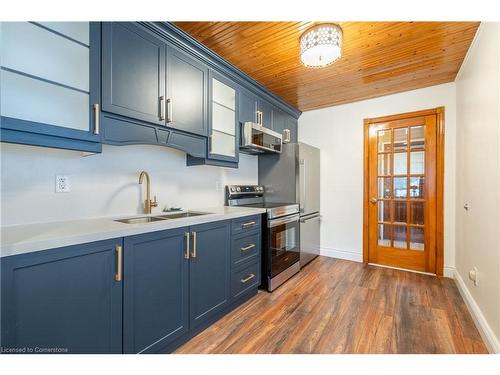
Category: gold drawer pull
[248,278]
[246,248]
[248,224]
[186,253]
[119,263]
[195,244]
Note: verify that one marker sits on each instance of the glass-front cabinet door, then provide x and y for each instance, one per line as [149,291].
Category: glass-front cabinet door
[46,78]
[223,139]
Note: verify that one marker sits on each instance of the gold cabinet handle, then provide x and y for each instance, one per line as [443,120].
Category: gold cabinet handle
[119,263]
[373,200]
[244,225]
[246,248]
[169,110]
[186,253]
[248,278]
[162,108]
[97,124]
[193,253]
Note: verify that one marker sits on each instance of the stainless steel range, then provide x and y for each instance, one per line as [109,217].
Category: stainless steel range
[280,233]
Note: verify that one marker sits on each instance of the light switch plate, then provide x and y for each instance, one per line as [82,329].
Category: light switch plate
[62,184]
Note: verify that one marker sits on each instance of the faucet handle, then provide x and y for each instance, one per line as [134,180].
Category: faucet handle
[154,203]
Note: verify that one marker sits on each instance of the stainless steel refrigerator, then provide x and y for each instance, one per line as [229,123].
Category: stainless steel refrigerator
[294,177]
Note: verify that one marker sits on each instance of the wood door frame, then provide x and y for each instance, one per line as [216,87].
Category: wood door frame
[439,112]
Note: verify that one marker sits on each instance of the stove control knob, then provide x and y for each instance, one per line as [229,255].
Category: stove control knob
[232,188]
[238,189]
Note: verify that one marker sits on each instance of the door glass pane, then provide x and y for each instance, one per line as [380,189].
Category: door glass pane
[384,140]
[223,94]
[400,236]
[417,213]
[223,144]
[400,212]
[417,187]
[384,235]
[417,162]
[384,187]
[384,164]
[400,136]
[384,212]
[399,187]
[400,163]
[417,238]
[223,119]
[417,139]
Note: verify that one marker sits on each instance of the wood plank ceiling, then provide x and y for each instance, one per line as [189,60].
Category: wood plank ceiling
[378,58]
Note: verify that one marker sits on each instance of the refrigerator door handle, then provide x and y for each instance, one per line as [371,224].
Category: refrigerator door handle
[302,203]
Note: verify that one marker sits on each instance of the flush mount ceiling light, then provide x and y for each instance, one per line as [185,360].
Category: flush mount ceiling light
[321,45]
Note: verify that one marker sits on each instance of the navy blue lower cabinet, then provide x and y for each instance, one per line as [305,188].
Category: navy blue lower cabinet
[209,271]
[64,300]
[155,309]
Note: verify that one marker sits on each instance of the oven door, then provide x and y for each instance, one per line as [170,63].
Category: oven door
[284,242]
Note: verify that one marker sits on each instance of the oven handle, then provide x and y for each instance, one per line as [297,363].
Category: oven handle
[282,220]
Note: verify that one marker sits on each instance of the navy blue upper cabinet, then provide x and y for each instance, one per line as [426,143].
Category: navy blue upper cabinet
[133,72]
[279,120]
[209,271]
[248,104]
[50,81]
[155,310]
[186,102]
[292,124]
[64,298]
[266,113]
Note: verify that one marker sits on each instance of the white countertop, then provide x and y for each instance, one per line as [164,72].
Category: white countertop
[20,239]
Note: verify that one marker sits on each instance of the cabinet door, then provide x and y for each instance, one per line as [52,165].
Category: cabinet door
[155,290]
[267,114]
[47,72]
[133,72]
[66,299]
[209,271]
[223,119]
[186,93]
[247,109]
[279,120]
[292,125]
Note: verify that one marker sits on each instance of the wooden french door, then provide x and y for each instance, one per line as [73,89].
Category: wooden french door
[402,196]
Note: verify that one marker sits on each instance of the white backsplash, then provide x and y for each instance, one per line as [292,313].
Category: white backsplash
[107,184]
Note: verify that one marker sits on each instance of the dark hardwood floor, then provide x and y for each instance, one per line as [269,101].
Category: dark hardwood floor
[337,306]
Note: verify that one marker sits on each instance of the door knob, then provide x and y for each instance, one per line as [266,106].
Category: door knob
[373,200]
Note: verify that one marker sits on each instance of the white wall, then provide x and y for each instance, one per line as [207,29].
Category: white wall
[338,132]
[478,180]
[107,184]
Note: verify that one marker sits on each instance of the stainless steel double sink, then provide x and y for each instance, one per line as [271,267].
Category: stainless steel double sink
[152,219]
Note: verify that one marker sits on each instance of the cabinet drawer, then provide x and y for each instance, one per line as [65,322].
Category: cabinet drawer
[246,224]
[245,248]
[245,279]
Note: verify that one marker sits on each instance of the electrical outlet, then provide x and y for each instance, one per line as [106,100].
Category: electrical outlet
[62,184]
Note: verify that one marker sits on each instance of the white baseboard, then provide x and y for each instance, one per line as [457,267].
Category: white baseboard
[482,325]
[342,254]
[449,271]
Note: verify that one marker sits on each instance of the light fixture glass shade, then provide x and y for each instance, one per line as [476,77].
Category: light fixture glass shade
[321,45]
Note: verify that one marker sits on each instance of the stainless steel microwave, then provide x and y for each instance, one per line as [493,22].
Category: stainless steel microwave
[256,139]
